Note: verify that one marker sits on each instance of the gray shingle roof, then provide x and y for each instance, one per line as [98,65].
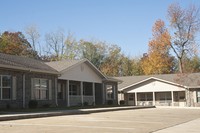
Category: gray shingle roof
[62,65]
[188,80]
[25,63]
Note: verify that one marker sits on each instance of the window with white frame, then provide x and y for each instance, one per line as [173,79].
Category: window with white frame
[40,86]
[5,86]
[198,96]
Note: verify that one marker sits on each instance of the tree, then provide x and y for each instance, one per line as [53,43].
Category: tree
[55,44]
[191,65]
[185,24]
[15,43]
[93,51]
[33,37]
[158,59]
[112,65]
[72,47]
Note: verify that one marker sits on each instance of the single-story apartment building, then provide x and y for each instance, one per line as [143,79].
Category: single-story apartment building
[59,83]
[81,83]
[181,90]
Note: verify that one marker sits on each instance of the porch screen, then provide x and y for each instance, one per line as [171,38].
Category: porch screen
[198,96]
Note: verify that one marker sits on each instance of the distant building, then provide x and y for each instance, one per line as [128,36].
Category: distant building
[181,90]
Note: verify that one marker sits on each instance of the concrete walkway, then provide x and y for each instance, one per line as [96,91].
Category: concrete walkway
[27,115]
[188,127]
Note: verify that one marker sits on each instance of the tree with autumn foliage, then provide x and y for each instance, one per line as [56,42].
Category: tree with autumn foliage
[158,59]
[15,43]
[112,64]
[185,24]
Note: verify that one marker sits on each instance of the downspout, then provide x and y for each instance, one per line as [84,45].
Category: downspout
[23,91]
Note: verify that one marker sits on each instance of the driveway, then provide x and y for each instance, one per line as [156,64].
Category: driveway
[129,121]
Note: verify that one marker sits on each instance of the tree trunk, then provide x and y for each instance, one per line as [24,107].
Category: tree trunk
[180,65]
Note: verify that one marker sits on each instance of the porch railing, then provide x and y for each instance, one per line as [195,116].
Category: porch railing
[76,100]
[164,103]
[144,103]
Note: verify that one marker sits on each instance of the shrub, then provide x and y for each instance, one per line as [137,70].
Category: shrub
[46,105]
[7,106]
[121,102]
[33,104]
[110,102]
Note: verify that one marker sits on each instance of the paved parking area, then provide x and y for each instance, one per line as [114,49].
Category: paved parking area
[128,121]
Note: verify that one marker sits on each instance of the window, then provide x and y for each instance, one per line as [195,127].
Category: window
[198,96]
[73,89]
[40,86]
[5,86]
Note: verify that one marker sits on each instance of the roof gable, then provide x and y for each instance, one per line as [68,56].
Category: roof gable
[66,65]
[187,80]
[154,85]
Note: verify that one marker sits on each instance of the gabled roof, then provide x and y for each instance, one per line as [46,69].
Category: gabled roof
[186,80]
[24,64]
[66,65]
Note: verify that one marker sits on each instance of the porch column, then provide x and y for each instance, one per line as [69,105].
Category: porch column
[93,91]
[67,93]
[82,93]
[172,94]
[154,99]
[136,99]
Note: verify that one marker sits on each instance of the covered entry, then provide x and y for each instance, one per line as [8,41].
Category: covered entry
[155,93]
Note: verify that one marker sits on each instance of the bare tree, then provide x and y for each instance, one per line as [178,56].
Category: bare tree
[185,24]
[33,38]
[55,44]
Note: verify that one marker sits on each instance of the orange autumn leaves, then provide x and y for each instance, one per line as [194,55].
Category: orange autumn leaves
[158,59]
